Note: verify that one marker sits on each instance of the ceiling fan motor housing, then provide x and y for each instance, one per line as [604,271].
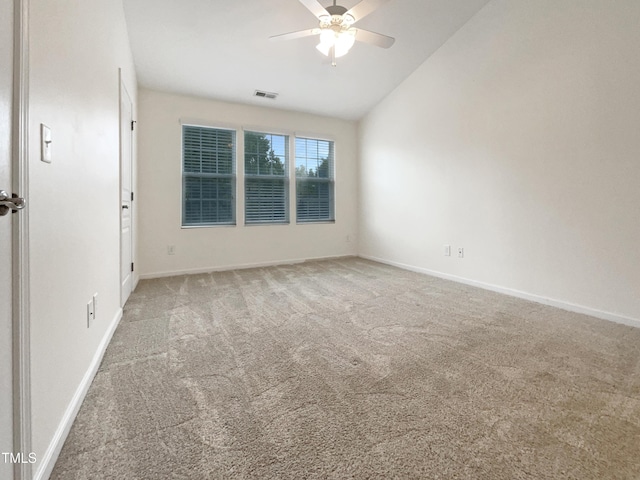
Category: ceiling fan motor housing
[336,18]
[336,10]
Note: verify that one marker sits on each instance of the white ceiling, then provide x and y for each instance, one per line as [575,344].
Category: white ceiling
[220,49]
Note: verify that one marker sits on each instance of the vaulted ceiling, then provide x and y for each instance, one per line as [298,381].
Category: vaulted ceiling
[221,49]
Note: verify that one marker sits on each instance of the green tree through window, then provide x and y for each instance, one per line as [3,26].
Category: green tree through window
[266,160]
[209,177]
[314,180]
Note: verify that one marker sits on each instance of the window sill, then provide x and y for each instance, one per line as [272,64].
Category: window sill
[263,224]
[317,222]
[221,225]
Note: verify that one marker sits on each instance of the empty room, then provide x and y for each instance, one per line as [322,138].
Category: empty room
[320,239]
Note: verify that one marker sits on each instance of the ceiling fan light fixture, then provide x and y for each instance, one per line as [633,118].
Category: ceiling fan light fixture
[335,29]
[327,37]
[342,41]
[348,20]
[327,40]
[324,49]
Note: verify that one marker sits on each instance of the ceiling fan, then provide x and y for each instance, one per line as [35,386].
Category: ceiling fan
[337,34]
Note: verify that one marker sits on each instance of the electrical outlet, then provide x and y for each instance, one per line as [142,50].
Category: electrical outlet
[171,250]
[460,252]
[90,313]
[447,250]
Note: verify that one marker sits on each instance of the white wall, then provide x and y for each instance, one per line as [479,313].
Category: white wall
[202,249]
[76,49]
[518,140]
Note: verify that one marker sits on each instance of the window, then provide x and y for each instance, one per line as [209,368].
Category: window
[314,180]
[266,181]
[208,176]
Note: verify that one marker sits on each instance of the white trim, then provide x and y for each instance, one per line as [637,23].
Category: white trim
[195,122]
[238,168]
[292,185]
[238,266]
[20,242]
[315,136]
[213,225]
[50,457]
[571,307]
[123,95]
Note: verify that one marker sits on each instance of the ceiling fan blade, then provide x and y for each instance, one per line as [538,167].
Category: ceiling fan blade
[293,35]
[314,7]
[374,38]
[364,8]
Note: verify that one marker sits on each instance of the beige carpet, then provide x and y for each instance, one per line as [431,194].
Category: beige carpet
[352,369]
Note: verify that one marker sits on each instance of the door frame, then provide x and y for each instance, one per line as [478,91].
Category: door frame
[20,242]
[128,127]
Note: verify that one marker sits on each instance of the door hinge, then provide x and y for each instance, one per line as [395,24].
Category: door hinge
[133,123]
[132,266]
[132,196]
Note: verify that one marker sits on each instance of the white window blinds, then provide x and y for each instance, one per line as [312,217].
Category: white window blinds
[314,180]
[208,176]
[266,167]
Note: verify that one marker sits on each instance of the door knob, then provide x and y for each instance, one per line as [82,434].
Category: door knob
[13,203]
[125,207]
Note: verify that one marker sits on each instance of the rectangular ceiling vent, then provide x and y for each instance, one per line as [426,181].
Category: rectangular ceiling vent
[263,94]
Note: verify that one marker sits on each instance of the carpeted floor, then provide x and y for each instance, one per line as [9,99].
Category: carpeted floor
[352,369]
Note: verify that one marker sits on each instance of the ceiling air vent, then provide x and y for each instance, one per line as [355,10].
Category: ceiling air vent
[263,94]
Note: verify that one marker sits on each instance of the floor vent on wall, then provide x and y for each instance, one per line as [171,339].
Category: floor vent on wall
[263,94]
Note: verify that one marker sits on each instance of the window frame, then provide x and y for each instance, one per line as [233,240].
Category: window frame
[286,178]
[330,181]
[233,176]
[239,177]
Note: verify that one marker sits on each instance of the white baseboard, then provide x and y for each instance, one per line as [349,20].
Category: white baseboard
[55,446]
[238,266]
[571,307]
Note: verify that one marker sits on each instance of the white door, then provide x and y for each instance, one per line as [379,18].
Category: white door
[6,361]
[126,207]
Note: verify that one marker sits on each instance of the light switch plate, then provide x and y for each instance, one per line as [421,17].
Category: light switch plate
[45,143]
[95,305]
[90,313]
